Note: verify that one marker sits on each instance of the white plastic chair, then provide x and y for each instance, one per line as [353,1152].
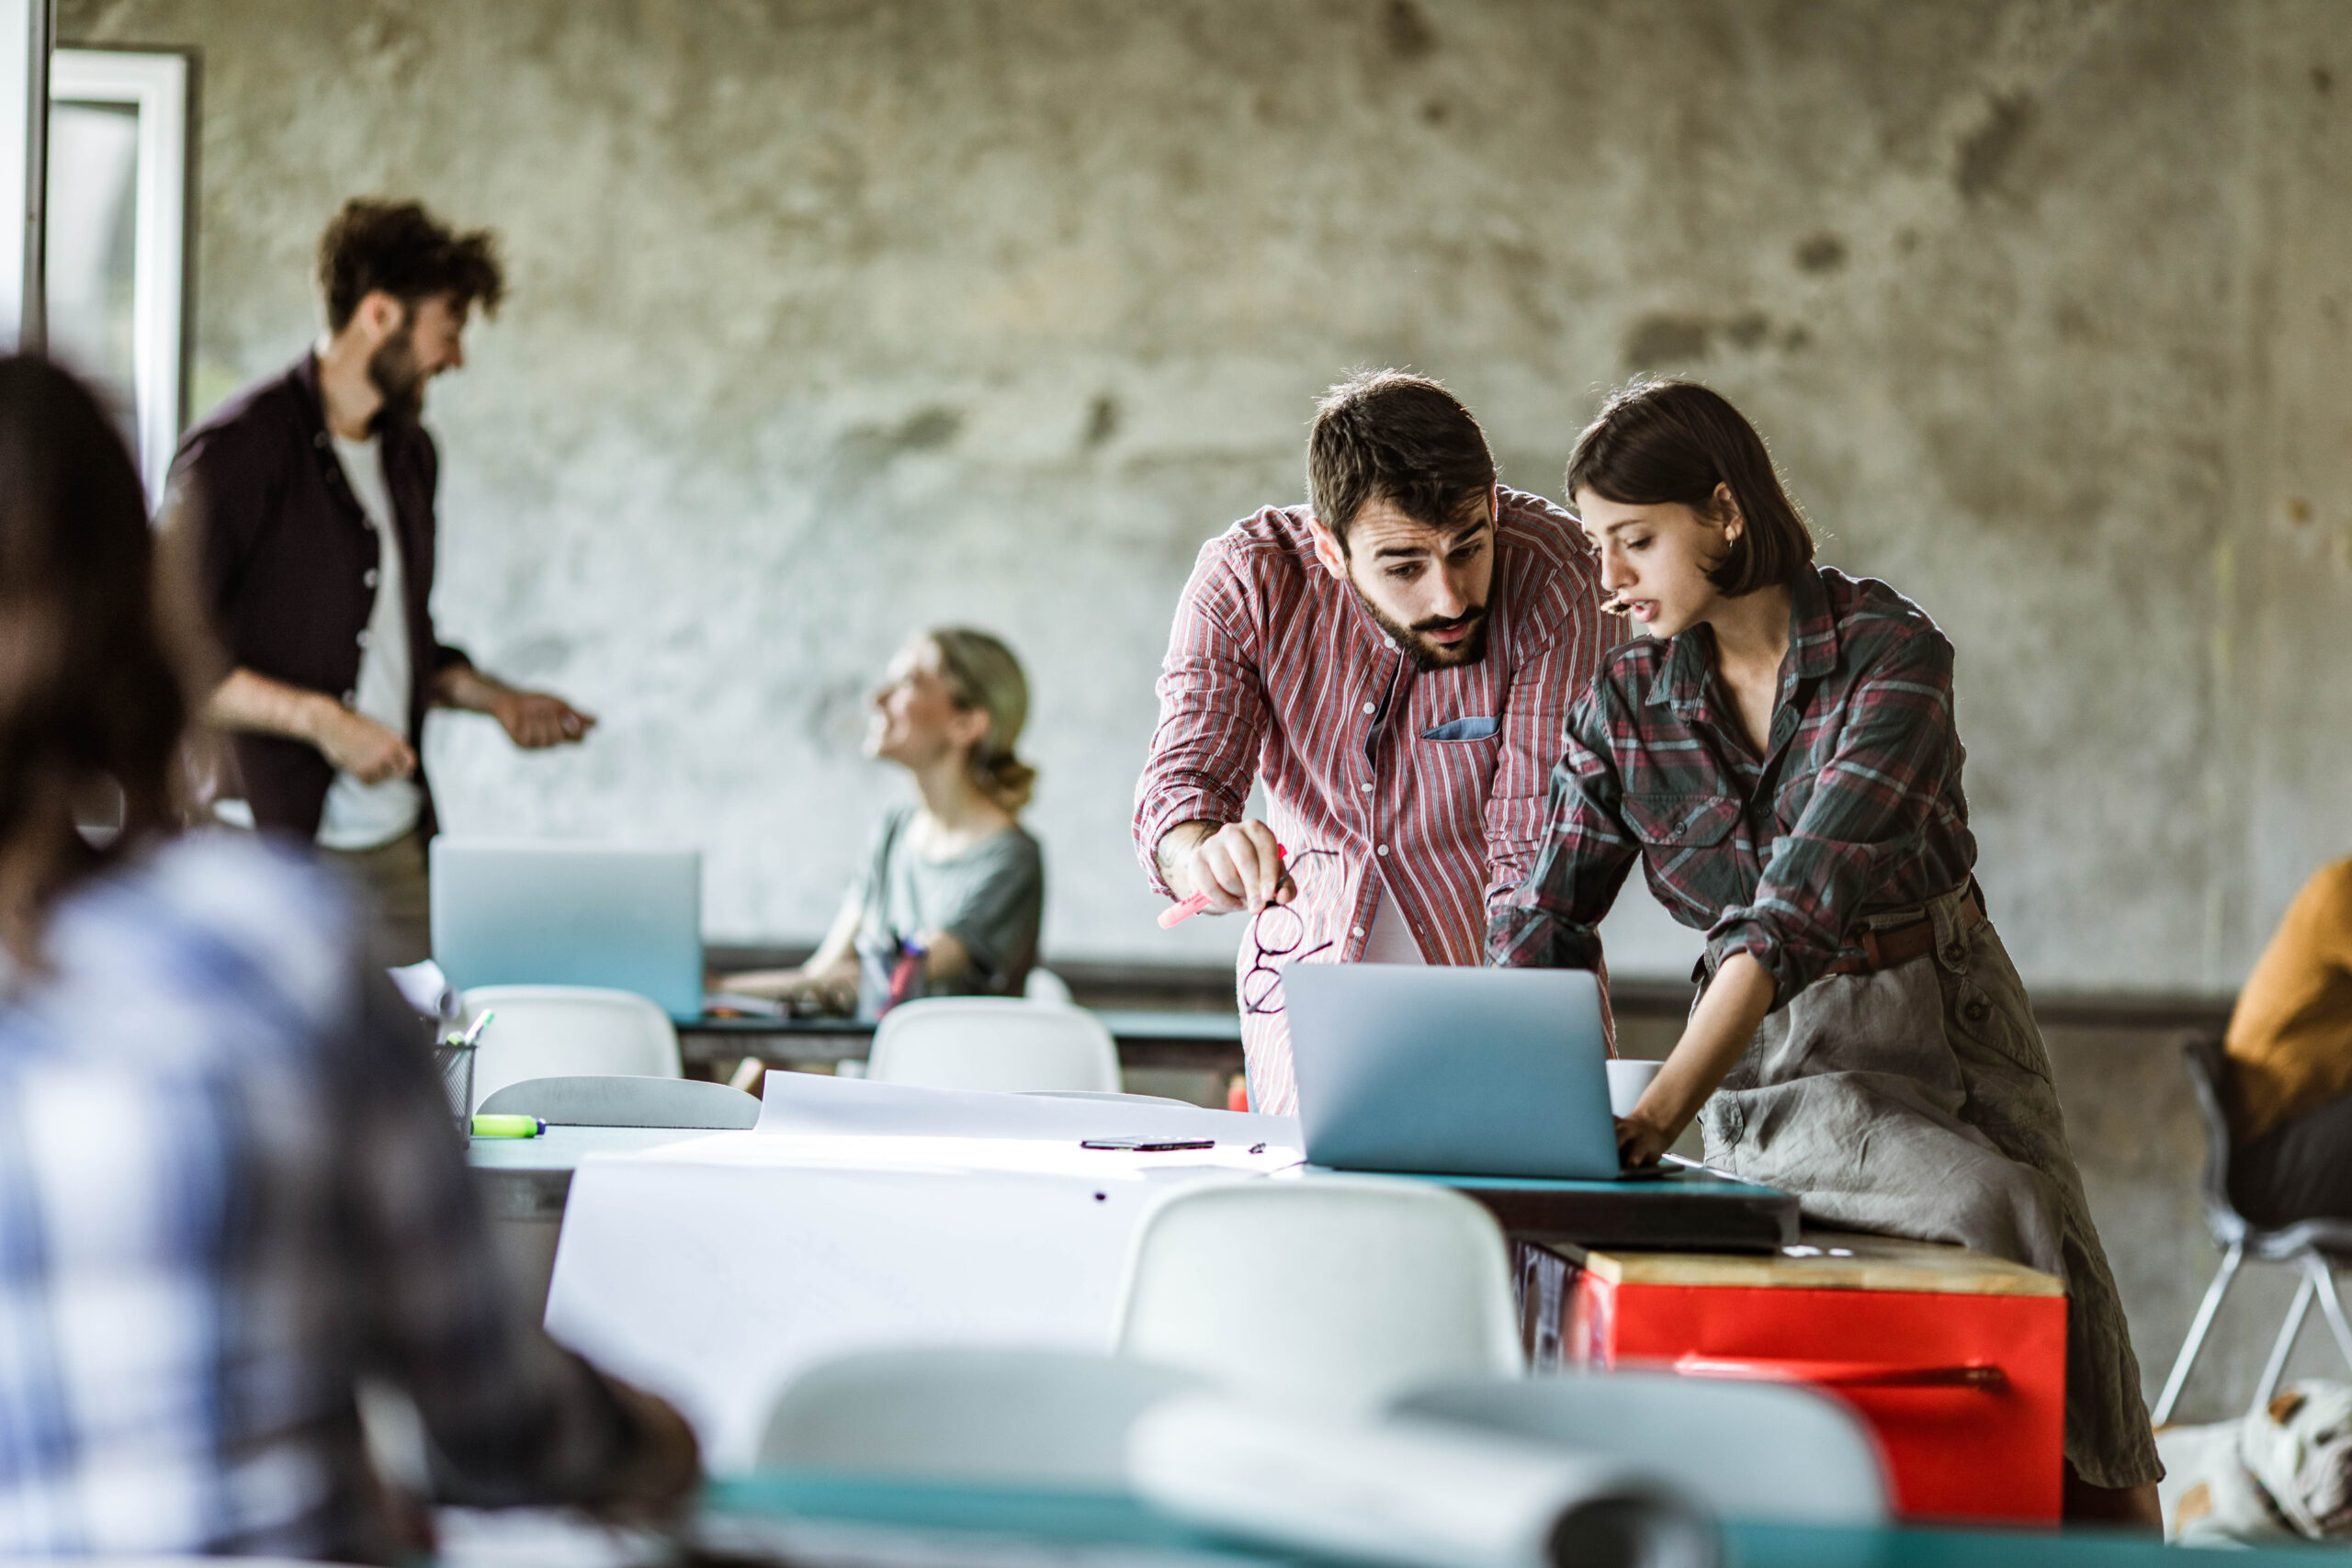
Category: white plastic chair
[614,1100]
[1753,1450]
[547,1032]
[992,1043]
[1330,1292]
[1047,989]
[1046,1419]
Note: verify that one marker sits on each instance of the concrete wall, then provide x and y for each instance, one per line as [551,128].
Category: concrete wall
[831,320]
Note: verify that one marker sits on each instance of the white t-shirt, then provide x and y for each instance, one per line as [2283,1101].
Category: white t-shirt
[1391,940]
[363,815]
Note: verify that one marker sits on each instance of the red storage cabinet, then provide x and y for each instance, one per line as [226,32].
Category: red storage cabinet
[1956,1360]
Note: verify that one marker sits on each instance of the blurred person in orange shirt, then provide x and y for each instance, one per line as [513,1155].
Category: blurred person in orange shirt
[2290,1094]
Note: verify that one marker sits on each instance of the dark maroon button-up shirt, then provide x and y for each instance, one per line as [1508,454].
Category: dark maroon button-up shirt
[288,566]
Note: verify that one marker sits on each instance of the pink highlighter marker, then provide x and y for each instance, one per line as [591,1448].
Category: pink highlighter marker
[1177,914]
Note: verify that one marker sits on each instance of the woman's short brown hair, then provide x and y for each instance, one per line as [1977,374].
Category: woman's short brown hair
[1659,441]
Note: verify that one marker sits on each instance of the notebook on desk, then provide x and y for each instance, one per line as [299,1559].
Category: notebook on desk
[1442,1070]
[519,912]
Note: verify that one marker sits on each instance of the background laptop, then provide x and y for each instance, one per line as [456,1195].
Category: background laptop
[1468,1071]
[512,912]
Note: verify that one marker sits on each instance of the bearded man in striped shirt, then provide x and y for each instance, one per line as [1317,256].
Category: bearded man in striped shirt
[1395,662]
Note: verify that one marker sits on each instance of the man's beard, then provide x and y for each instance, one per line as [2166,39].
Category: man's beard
[1429,655]
[393,369]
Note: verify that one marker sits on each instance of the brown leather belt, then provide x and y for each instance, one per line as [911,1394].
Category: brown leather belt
[1891,946]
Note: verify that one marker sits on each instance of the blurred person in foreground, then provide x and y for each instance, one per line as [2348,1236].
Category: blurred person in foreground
[312,495]
[2289,1043]
[230,1189]
[953,886]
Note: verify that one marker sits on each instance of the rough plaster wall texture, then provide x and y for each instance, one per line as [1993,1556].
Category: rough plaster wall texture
[833,320]
[2288,645]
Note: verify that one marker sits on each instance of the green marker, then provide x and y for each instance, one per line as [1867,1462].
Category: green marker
[508,1126]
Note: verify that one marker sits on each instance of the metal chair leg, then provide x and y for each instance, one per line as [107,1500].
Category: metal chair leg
[2197,1328]
[2277,1365]
[2321,1271]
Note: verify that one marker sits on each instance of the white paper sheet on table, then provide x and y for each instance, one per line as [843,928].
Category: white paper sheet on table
[862,1215]
[812,1102]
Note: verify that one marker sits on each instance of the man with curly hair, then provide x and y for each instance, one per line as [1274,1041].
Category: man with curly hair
[311,495]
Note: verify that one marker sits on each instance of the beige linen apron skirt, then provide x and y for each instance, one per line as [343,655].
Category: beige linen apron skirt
[1917,1102]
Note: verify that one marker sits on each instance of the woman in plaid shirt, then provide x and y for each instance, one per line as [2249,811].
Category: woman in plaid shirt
[1780,755]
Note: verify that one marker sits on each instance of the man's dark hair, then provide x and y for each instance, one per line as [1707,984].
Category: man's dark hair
[1388,435]
[1657,442]
[90,702]
[399,248]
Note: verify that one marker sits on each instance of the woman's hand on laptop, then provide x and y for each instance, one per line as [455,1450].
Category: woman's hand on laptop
[834,990]
[1721,1025]
[1641,1144]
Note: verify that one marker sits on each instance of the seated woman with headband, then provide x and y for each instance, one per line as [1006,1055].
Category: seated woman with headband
[949,902]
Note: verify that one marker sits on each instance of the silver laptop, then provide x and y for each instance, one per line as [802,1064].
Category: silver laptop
[517,912]
[1451,1071]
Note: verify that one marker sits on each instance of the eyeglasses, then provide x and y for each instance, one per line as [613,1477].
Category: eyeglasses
[1276,933]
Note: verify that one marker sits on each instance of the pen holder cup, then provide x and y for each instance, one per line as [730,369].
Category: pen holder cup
[455,1060]
[1627,1080]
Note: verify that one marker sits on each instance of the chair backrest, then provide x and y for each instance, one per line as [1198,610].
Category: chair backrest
[2209,1066]
[1046,989]
[614,1100]
[1329,1293]
[545,1032]
[1049,1418]
[1754,1450]
[992,1043]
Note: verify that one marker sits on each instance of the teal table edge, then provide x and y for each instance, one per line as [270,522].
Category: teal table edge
[1114,1519]
[1108,1518]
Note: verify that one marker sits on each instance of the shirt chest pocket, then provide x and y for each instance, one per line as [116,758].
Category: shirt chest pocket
[1461,729]
[1688,851]
[1681,821]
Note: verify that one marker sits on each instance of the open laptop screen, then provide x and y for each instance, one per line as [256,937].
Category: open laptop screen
[515,912]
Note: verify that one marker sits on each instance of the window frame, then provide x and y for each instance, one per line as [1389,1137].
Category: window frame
[160,86]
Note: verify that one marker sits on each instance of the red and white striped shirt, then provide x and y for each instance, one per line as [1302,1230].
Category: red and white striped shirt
[1276,671]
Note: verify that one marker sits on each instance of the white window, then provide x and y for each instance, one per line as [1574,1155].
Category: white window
[24,118]
[116,237]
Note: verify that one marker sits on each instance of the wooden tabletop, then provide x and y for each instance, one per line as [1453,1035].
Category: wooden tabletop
[1829,1260]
